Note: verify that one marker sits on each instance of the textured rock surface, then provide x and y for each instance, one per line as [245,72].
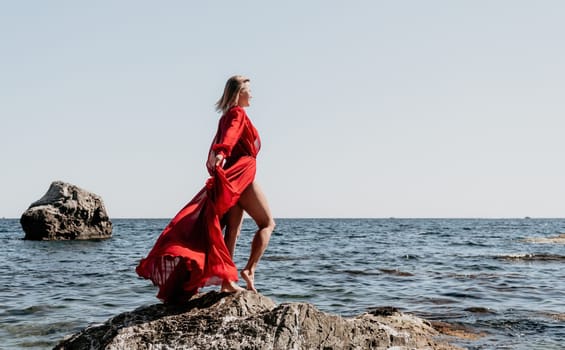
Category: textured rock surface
[66,212]
[247,320]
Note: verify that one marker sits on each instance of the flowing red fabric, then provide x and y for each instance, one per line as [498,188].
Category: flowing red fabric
[190,252]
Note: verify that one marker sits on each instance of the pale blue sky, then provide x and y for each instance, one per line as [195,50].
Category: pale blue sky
[365,108]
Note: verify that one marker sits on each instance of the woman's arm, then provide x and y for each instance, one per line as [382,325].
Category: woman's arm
[231,129]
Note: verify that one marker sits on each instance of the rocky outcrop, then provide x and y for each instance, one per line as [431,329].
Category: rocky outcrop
[559,239]
[66,212]
[247,320]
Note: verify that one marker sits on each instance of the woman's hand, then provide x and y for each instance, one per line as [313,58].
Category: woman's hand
[219,160]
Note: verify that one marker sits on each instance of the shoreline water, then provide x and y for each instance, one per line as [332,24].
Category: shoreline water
[448,270]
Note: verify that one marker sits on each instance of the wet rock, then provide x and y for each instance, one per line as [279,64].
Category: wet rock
[66,212]
[554,316]
[247,320]
[456,330]
[559,239]
[479,310]
[532,257]
[396,272]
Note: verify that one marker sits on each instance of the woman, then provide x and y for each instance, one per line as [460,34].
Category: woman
[191,252]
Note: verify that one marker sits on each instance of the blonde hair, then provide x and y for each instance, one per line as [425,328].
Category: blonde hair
[231,93]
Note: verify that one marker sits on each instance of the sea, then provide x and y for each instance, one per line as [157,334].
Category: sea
[501,279]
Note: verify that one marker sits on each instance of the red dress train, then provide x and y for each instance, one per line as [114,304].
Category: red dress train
[190,252]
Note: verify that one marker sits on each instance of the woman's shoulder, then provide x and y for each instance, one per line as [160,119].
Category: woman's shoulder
[236,109]
[235,112]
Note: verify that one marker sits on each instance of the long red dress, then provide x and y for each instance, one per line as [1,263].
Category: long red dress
[190,252]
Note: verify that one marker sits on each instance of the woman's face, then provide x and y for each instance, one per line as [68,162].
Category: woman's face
[244,96]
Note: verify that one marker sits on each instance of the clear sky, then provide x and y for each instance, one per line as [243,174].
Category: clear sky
[365,108]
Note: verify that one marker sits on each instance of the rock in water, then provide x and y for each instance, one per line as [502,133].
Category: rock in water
[66,212]
[247,320]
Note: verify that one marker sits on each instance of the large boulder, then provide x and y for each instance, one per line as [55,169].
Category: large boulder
[247,320]
[66,212]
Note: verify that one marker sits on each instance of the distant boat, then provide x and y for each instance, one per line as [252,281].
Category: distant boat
[527,217]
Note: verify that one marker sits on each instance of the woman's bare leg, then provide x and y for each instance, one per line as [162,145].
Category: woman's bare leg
[233,227]
[254,202]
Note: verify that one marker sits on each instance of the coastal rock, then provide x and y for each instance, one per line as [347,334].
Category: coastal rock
[559,239]
[66,212]
[247,320]
[532,257]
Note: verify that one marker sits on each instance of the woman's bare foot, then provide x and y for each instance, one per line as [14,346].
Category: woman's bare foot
[249,277]
[230,287]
